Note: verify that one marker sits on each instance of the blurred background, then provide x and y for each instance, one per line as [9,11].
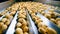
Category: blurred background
[5,3]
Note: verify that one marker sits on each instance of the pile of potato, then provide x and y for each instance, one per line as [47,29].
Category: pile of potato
[42,28]
[39,7]
[22,26]
[11,8]
[52,16]
[5,21]
[22,22]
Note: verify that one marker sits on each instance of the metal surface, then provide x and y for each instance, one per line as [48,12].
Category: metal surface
[50,2]
[4,5]
[32,27]
[49,23]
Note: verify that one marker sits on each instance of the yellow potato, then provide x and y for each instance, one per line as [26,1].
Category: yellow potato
[19,25]
[7,22]
[42,30]
[53,20]
[19,31]
[51,31]
[4,20]
[25,33]
[4,27]
[25,29]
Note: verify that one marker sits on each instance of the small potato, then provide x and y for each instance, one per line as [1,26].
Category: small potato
[59,25]
[7,15]
[4,19]
[4,27]
[57,19]
[25,29]
[33,14]
[7,22]
[43,12]
[42,30]
[51,31]
[24,22]
[25,33]
[40,24]
[20,19]
[19,25]
[19,31]
[12,13]
[53,20]
[38,21]
[22,16]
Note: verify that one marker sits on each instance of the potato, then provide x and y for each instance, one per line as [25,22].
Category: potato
[4,20]
[25,29]
[19,25]
[53,20]
[19,31]
[20,19]
[7,15]
[25,33]
[57,19]
[7,22]
[40,24]
[38,21]
[12,13]
[24,22]
[51,31]
[22,16]
[42,30]
[4,27]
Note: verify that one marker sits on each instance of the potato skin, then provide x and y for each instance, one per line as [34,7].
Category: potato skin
[19,31]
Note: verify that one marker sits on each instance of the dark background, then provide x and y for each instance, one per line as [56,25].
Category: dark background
[21,0]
